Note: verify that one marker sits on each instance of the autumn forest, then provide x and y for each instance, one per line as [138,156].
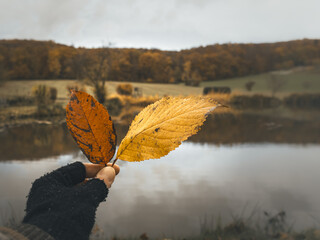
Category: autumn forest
[30,59]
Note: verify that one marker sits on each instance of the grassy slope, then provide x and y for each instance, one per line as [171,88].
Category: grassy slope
[24,88]
[297,80]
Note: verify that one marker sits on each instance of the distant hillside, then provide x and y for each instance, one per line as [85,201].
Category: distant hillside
[30,59]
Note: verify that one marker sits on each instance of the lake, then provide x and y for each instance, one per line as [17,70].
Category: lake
[237,166]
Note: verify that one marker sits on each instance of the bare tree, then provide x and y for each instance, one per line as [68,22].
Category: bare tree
[3,72]
[94,70]
[276,83]
[249,85]
[190,78]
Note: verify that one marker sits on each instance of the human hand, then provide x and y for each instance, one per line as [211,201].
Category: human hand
[102,172]
[62,207]
[108,174]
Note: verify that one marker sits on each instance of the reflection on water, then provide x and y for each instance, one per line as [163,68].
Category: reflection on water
[35,142]
[170,196]
[236,160]
[41,141]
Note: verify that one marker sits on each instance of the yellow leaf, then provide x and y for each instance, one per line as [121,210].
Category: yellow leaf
[162,126]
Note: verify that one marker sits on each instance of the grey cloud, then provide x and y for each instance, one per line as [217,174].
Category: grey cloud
[169,24]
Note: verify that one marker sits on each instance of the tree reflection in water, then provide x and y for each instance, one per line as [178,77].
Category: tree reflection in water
[30,142]
[237,159]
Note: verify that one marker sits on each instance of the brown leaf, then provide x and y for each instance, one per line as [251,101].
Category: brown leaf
[91,126]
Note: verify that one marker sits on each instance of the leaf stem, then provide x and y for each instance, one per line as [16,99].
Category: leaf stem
[114,162]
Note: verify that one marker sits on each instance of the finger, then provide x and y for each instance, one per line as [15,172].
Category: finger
[115,166]
[92,169]
[107,175]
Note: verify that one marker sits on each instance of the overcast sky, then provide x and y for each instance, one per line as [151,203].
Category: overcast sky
[164,24]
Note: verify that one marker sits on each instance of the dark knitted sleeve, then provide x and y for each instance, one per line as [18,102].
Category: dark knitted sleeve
[61,208]
[69,175]
[94,191]
[48,185]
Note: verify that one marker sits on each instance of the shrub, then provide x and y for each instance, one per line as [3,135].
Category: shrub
[41,94]
[303,101]
[213,90]
[44,95]
[53,94]
[137,92]
[17,101]
[125,89]
[101,93]
[75,87]
[256,102]
[50,110]
[115,105]
[249,85]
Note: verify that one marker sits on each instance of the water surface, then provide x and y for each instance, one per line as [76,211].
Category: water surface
[238,164]
[171,196]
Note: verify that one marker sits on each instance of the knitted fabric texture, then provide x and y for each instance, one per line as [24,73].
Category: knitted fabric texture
[23,232]
[62,207]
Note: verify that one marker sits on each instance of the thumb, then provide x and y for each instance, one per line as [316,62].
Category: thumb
[107,174]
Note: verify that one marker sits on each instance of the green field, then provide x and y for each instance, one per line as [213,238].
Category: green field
[24,88]
[298,80]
